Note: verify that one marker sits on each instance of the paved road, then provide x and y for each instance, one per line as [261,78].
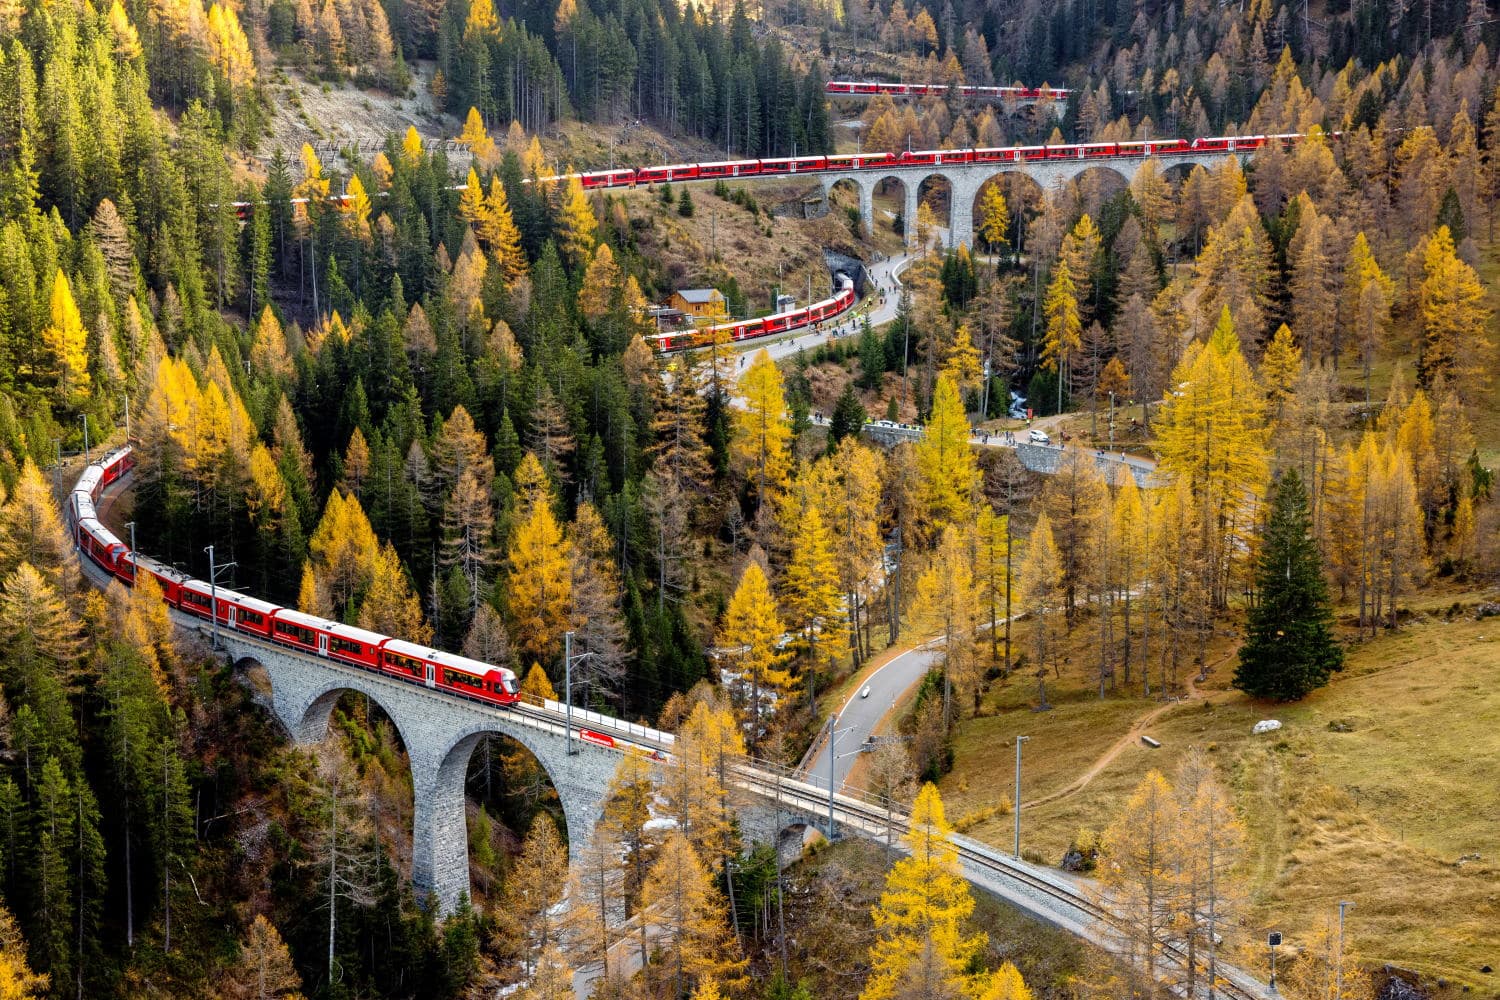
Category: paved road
[859,716]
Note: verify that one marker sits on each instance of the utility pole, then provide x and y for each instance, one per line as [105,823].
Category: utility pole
[1338,976]
[833,736]
[85,418]
[568,659]
[213,585]
[1019,741]
[568,690]
[131,526]
[127,413]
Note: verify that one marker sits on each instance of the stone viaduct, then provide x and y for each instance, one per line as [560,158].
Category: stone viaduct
[965,180]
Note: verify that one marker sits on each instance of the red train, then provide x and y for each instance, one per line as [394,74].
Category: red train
[843,299]
[860,88]
[285,626]
[627,177]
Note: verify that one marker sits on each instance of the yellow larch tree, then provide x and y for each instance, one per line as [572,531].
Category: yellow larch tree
[67,344]
[264,970]
[17,981]
[1064,334]
[537,684]
[747,638]
[1006,984]
[1454,318]
[471,201]
[411,146]
[810,589]
[356,210]
[1080,248]
[1211,436]
[390,606]
[534,887]
[344,551]
[498,231]
[923,944]
[228,48]
[945,462]
[759,448]
[474,135]
[1041,595]
[540,591]
[693,939]
[850,495]
[576,224]
[268,353]
[1280,368]
[994,573]
[312,596]
[1365,303]
[1139,870]
[601,284]
[961,362]
[32,531]
[1210,845]
[994,216]
[947,603]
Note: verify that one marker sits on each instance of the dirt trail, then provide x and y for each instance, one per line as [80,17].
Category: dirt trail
[1131,736]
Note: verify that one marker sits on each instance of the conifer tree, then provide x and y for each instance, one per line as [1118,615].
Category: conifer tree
[17,981]
[534,887]
[264,970]
[1064,336]
[67,345]
[945,462]
[1289,648]
[1454,319]
[390,606]
[748,637]
[811,587]
[693,940]
[1138,867]
[762,433]
[923,946]
[576,224]
[32,532]
[540,590]
[947,602]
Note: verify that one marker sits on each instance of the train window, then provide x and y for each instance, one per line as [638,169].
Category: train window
[251,617]
[399,662]
[192,598]
[460,678]
[338,645]
[297,633]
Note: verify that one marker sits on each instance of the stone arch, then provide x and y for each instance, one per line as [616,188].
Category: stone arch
[1024,196]
[312,725]
[1177,173]
[896,194]
[941,193]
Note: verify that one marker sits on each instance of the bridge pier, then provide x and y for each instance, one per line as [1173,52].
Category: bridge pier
[440,734]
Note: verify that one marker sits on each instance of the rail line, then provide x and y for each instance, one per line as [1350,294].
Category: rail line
[870,88]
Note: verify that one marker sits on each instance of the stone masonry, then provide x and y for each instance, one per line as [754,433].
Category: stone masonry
[966,180]
[440,733]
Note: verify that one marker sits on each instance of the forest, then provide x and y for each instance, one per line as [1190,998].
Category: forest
[432,409]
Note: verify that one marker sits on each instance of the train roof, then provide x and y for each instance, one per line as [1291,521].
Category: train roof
[234,596]
[89,479]
[335,628]
[477,667]
[101,534]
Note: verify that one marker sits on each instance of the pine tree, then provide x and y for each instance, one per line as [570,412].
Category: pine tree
[1289,648]
[922,945]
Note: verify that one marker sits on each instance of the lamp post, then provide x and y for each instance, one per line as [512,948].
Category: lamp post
[1019,741]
